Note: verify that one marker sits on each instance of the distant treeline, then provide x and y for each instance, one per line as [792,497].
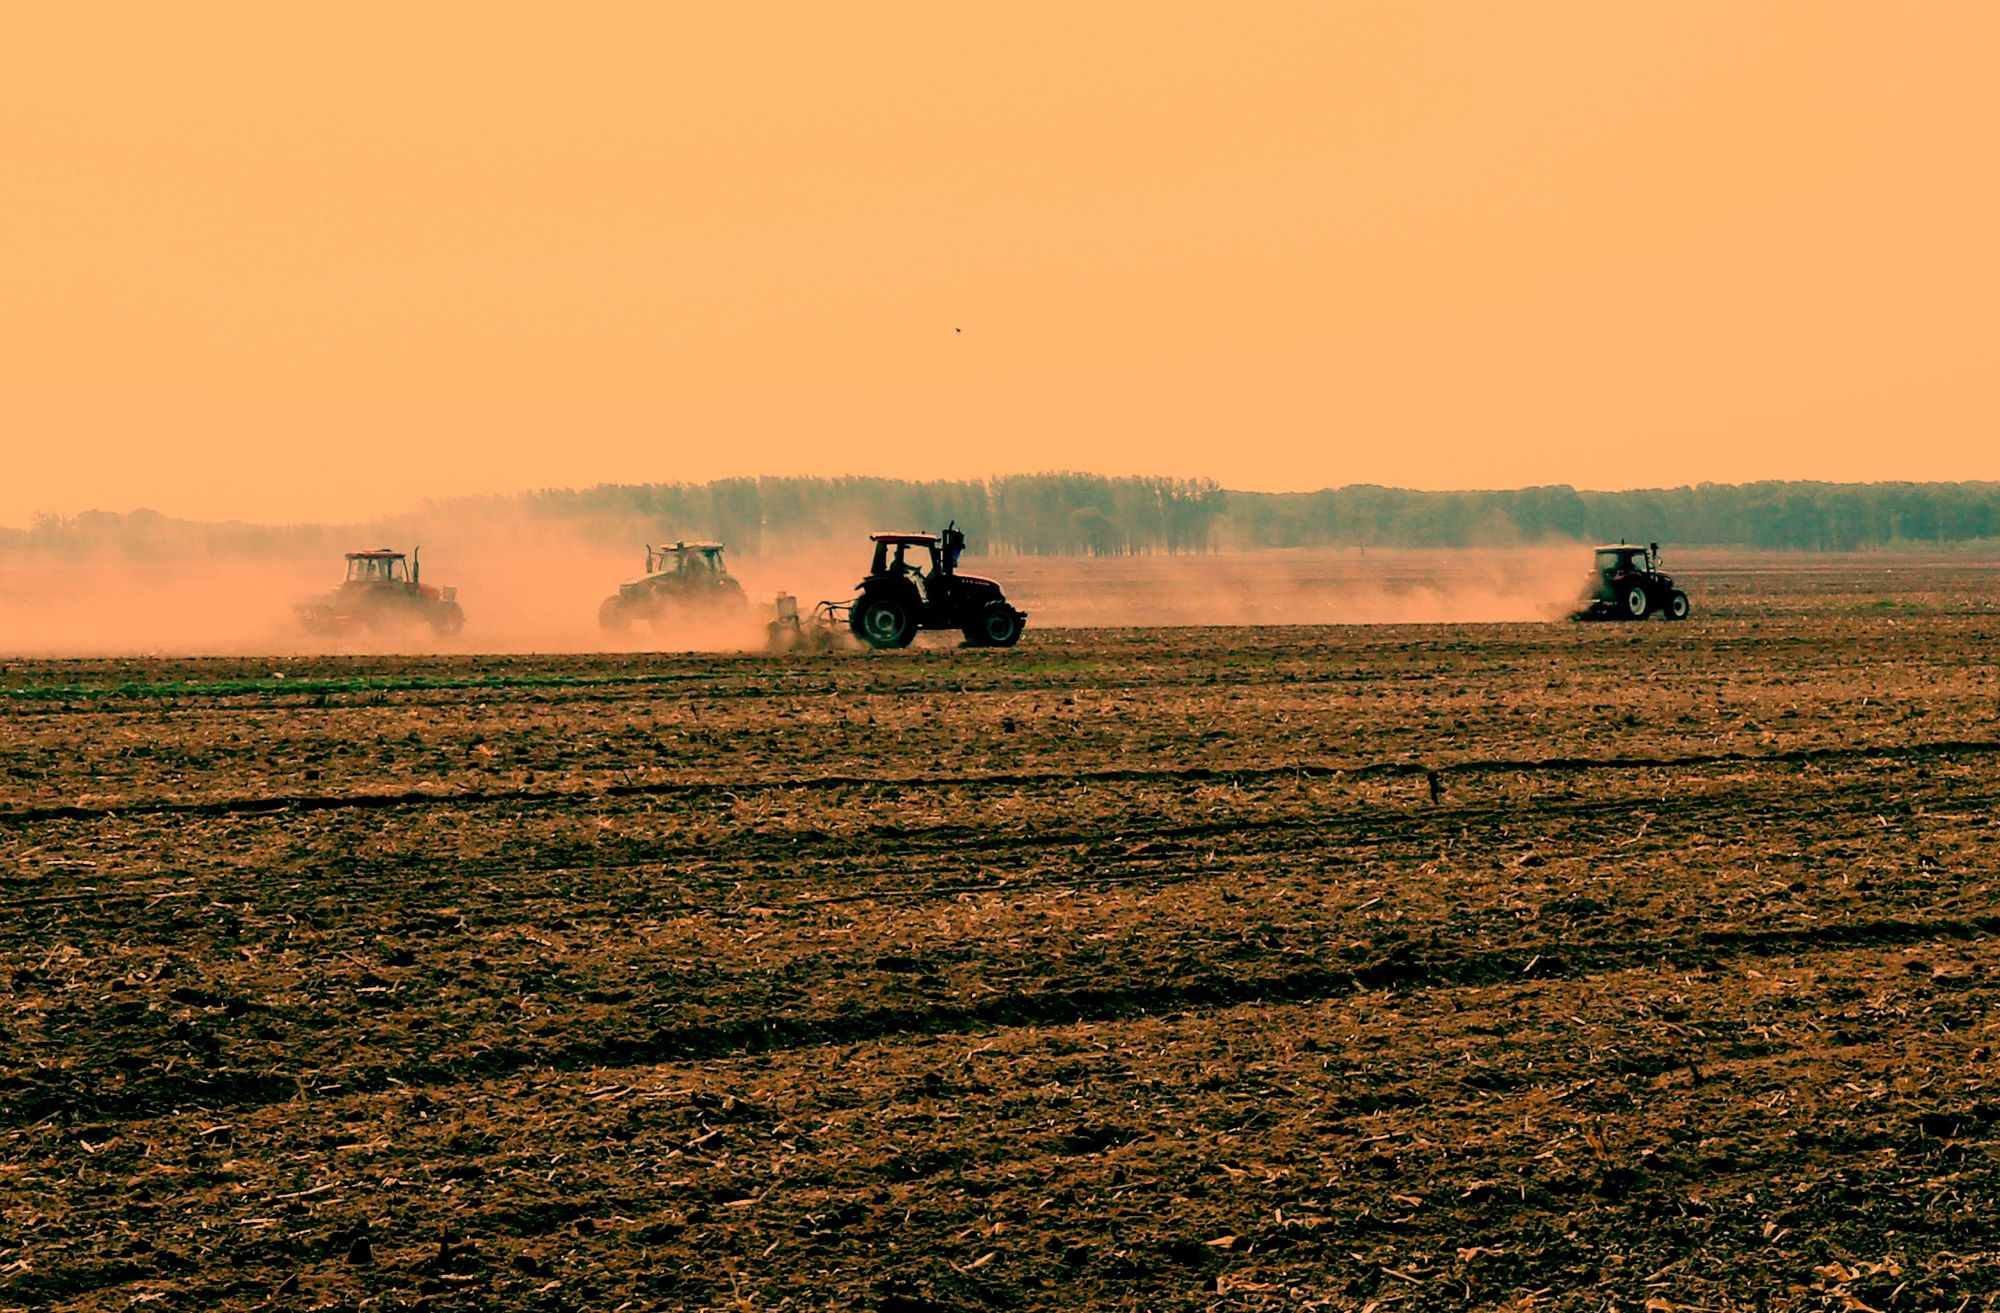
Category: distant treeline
[1796,515]
[1023,514]
[1077,514]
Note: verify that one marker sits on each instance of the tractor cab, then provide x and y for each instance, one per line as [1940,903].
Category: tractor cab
[1624,558]
[686,560]
[930,560]
[905,555]
[381,566]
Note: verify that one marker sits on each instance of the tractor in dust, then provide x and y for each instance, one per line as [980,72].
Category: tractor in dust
[683,580]
[1628,584]
[384,590]
[913,583]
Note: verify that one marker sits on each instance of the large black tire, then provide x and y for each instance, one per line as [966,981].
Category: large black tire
[998,625]
[1677,605]
[613,617]
[447,618]
[1633,603]
[883,622]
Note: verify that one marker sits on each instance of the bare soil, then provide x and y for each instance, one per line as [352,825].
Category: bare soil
[1429,967]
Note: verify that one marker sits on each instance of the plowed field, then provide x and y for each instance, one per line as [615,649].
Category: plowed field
[1504,966]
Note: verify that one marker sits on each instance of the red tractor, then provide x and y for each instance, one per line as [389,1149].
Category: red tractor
[914,584]
[1628,584]
[383,590]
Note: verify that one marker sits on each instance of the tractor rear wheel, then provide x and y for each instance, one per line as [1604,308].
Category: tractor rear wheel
[883,622]
[998,625]
[613,617]
[1677,605]
[1636,603]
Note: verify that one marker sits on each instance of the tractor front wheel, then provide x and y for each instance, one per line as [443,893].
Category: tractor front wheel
[883,622]
[613,617]
[1677,605]
[447,618]
[1636,603]
[998,625]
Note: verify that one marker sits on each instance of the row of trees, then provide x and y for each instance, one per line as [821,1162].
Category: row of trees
[1024,514]
[1785,515]
[1075,514]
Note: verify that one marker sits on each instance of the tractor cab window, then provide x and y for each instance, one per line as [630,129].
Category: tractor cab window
[376,569]
[1614,562]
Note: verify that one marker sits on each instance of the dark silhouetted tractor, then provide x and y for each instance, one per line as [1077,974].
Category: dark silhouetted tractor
[383,590]
[914,583]
[1628,584]
[680,581]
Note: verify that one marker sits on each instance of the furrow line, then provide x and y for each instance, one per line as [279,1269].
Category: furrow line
[966,846]
[78,1093]
[303,802]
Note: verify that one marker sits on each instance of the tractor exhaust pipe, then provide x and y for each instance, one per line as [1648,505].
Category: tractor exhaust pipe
[416,565]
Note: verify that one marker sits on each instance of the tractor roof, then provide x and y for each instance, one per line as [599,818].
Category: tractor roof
[920,539]
[691,547]
[377,554]
[1622,547]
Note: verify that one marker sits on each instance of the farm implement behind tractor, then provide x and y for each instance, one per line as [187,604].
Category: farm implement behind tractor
[824,629]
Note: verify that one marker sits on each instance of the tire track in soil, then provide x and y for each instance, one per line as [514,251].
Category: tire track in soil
[922,850]
[233,703]
[1389,827]
[769,1033]
[111,703]
[311,802]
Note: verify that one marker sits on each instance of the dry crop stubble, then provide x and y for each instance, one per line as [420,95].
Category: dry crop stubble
[1123,969]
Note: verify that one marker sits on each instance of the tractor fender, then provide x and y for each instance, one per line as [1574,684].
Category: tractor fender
[902,591]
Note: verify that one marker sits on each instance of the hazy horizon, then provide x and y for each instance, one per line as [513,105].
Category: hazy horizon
[369,515]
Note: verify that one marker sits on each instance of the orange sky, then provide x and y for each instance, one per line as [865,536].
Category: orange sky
[283,262]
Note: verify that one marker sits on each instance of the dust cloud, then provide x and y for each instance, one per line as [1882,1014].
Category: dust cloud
[106,605]
[520,592]
[524,584]
[529,586]
[1330,586]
